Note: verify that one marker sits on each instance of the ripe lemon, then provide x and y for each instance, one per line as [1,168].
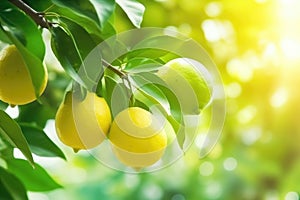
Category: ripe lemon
[138,138]
[83,124]
[187,83]
[16,86]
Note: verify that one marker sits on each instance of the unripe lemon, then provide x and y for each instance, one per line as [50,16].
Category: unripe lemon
[83,124]
[138,138]
[187,83]
[16,87]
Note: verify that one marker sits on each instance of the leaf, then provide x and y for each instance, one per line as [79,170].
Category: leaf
[19,23]
[157,93]
[152,89]
[35,179]
[3,36]
[138,64]
[152,80]
[12,133]
[72,47]
[3,105]
[13,185]
[134,10]
[104,9]
[91,69]
[39,142]
[24,33]
[4,194]
[161,48]
[116,94]
[42,112]
[107,31]
[164,42]
[65,51]
[82,7]
[39,6]
[87,23]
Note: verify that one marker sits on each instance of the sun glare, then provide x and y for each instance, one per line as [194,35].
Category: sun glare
[289,19]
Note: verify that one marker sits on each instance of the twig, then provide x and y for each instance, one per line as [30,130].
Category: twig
[115,70]
[36,16]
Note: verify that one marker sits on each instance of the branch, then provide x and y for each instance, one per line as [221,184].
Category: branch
[41,21]
[36,16]
[112,68]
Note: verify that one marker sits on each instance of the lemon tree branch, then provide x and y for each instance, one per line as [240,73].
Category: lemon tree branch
[36,16]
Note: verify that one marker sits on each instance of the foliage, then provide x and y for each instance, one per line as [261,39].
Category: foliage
[255,45]
[76,28]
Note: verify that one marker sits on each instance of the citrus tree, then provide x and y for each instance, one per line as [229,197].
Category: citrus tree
[131,91]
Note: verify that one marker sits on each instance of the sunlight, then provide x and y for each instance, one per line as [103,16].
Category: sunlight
[279,98]
[290,48]
[289,19]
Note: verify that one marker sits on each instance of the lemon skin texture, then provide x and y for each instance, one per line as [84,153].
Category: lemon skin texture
[189,86]
[83,124]
[137,137]
[16,87]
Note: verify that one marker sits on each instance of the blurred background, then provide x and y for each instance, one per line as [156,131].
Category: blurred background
[256,46]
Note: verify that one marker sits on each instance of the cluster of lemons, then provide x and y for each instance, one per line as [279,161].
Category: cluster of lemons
[138,138]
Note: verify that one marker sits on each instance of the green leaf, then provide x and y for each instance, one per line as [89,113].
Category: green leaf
[65,51]
[151,89]
[4,194]
[160,48]
[163,42]
[116,95]
[138,64]
[13,185]
[35,179]
[107,31]
[39,142]
[91,67]
[3,36]
[39,6]
[87,23]
[152,81]
[19,23]
[74,48]
[12,133]
[155,92]
[134,10]
[104,9]
[3,105]
[42,112]
[82,7]
[24,33]
[149,53]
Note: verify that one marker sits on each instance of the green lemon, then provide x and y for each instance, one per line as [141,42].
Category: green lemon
[184,78]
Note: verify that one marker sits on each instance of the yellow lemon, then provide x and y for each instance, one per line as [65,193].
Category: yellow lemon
[83,124]
[138,137]
[186,81]
[16,87]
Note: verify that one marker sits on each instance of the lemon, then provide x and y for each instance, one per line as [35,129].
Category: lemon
[83,124]
[187,83]
[138,138]
[16,87]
